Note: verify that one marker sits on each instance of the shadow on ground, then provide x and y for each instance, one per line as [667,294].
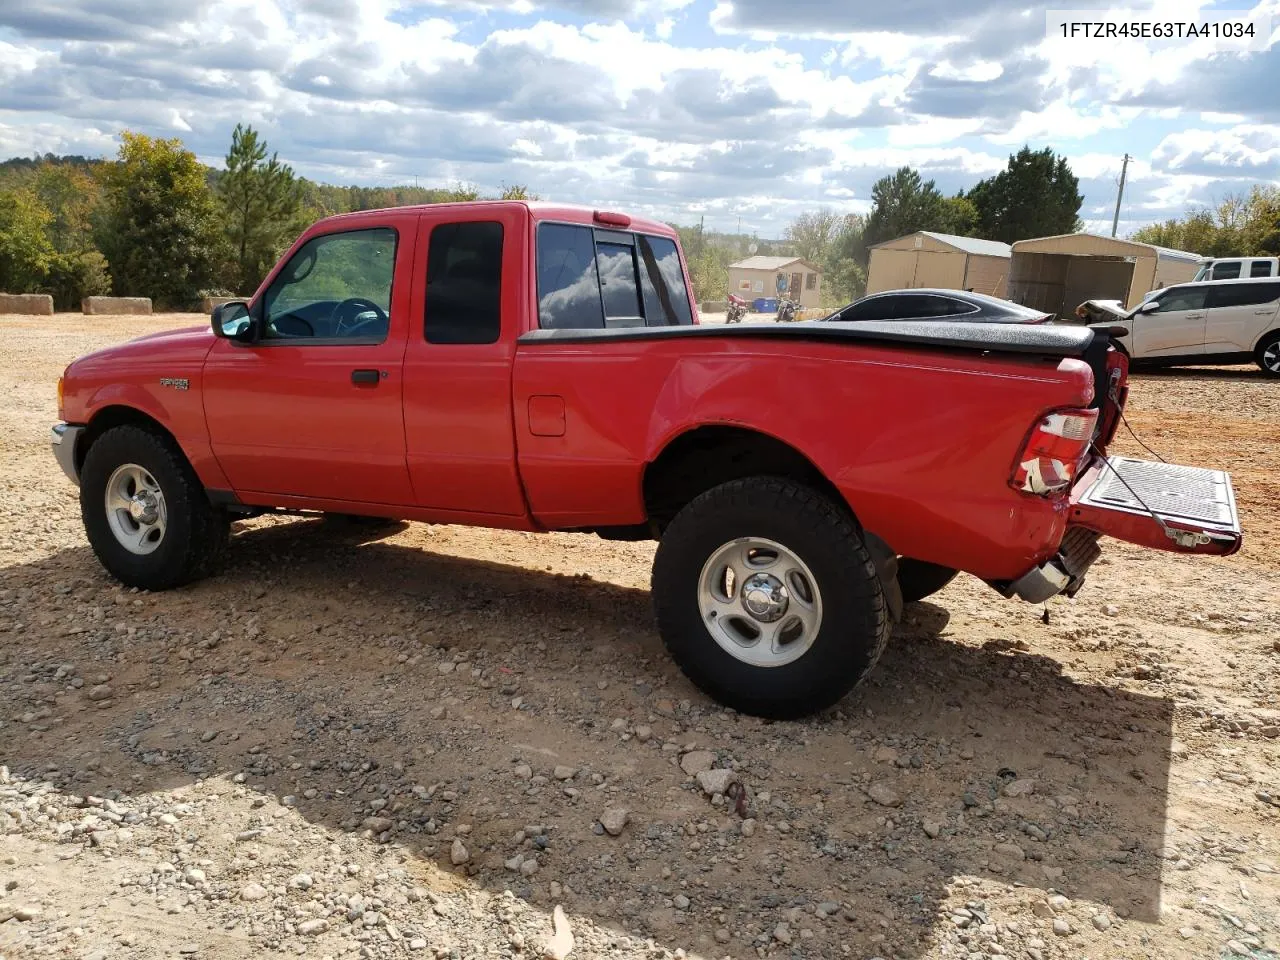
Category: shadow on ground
[1244,374]
[302,658]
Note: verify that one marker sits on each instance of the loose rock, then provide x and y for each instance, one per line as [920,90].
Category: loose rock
[614,819]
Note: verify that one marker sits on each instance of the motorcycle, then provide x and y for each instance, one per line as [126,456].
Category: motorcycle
[788,310]
[737,309]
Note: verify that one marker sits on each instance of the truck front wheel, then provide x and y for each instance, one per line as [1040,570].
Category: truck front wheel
[145,512]
[767,598]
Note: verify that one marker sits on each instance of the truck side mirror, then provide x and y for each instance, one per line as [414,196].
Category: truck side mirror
[1151,306]
[232,321]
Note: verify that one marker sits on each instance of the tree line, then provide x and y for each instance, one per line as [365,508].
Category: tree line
[156,222]
[1241,225]
[1035,195]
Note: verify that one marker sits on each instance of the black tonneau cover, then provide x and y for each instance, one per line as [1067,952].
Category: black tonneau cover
[1064,341]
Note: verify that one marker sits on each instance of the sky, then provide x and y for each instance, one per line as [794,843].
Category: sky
[745,113]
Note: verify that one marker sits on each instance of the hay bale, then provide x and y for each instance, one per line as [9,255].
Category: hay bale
[208,303]
[38,304]
[103,306]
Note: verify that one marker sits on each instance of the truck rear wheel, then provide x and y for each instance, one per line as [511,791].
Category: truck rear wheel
[767,598]
[145,512]
[919,579]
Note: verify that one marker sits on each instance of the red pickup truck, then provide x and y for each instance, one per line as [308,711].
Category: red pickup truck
[540,367]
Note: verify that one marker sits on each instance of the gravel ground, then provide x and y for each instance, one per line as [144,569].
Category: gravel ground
[420,740]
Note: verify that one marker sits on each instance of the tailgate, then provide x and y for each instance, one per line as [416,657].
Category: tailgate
[1165,506]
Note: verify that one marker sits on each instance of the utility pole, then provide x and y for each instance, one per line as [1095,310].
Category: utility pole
[1124,168]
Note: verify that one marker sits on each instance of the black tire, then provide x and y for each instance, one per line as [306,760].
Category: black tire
[919,579]
[855,622]
[1267,356]
[194,544]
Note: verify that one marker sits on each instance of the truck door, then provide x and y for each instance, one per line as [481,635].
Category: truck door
[470,275]
[312,408]
[1175,327]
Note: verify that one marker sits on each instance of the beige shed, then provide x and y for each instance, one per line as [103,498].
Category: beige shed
[757,277]
[1057,274]
[939,260]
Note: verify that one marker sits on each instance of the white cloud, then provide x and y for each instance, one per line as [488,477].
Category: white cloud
[1248,151]
[615,104]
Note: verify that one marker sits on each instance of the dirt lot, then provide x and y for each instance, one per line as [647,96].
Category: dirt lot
[402,744]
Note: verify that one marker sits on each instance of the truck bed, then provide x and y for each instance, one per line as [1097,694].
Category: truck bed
[1064,341]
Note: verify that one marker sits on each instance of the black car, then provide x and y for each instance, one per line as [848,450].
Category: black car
[929,304]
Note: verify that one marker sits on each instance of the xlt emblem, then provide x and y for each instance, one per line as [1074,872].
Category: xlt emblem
[178,383]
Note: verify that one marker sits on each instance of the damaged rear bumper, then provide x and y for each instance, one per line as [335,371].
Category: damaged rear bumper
[1164,506]
[1063,574]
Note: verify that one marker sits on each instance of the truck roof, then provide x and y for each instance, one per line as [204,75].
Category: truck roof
[539,209]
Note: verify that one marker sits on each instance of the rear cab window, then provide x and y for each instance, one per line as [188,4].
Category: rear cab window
[464,283]
[1261,268]
[590,277]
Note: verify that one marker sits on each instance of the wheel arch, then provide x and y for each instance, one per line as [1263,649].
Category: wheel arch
[118,415]
[699,458]
[1271,333]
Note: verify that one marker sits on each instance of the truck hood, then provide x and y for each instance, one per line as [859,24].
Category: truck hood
[187,343]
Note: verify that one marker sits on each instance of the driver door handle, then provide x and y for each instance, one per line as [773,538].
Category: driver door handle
[366,376]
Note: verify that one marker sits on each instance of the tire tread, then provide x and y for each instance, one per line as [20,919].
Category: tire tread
[208,527]
[815,515]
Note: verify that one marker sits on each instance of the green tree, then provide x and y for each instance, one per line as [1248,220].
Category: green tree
[961,216]
[900,204]
[844,278]
[72,195]
[1262,221]
[1239,226]
[1196,233]
[262,203]
[517,191]
[1036,195]
[709,272]
[812,234]
[160,231]
[25,250]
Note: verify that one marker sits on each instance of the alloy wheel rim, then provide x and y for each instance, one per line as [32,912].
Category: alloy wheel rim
[1271,357]
[136,510]
[760,602]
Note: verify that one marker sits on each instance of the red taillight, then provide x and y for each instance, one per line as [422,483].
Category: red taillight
[1055,452]
[613,219]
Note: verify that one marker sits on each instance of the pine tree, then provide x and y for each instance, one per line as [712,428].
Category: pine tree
[1036,195]
[261,200]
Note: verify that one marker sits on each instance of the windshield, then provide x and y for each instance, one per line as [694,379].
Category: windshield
[1203,272]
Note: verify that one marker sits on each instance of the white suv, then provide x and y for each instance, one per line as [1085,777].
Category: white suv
[1210,322]
[1239,268]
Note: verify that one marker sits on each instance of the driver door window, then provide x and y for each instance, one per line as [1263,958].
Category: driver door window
[335,290]
[1189,299]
